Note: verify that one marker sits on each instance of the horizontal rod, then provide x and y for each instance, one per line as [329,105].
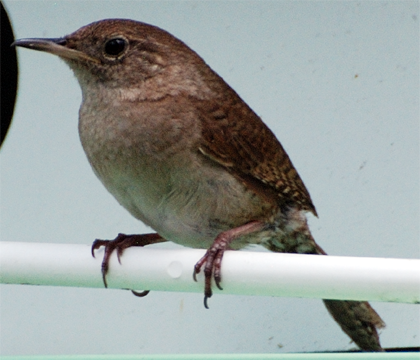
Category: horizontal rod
[243,272]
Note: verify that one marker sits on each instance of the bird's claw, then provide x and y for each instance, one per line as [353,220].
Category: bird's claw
[120,243]
[212,262]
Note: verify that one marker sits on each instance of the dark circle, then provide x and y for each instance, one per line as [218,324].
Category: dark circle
[115,47]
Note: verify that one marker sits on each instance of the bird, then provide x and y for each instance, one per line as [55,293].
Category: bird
[183,153]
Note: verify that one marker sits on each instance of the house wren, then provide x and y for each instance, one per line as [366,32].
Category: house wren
[182,152]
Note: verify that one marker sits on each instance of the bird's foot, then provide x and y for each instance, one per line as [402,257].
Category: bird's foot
[120,243]
[212,260]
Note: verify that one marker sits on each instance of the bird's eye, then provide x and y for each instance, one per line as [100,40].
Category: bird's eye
[115,47]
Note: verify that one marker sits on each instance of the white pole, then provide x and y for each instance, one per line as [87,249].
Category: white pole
[243,272]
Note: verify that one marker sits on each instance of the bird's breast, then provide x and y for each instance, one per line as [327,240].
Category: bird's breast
[149,161]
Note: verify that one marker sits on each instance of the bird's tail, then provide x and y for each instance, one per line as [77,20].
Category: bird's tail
[359,321]
[356,318]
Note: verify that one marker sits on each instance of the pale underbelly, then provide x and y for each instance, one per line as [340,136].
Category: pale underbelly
[194,213]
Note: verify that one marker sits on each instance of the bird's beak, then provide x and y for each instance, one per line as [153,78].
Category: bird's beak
[56,47]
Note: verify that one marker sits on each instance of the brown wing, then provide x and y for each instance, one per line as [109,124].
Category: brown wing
[235,137]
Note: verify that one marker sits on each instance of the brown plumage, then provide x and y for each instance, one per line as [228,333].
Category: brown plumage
[182,152]
[236,138]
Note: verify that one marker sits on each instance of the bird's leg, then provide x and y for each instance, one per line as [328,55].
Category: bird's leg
[120,243]
[212,260]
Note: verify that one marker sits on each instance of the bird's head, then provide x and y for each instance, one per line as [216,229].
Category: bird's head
[121,53]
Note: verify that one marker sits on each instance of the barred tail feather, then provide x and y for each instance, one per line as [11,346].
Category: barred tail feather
[359,321]
[356,318]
